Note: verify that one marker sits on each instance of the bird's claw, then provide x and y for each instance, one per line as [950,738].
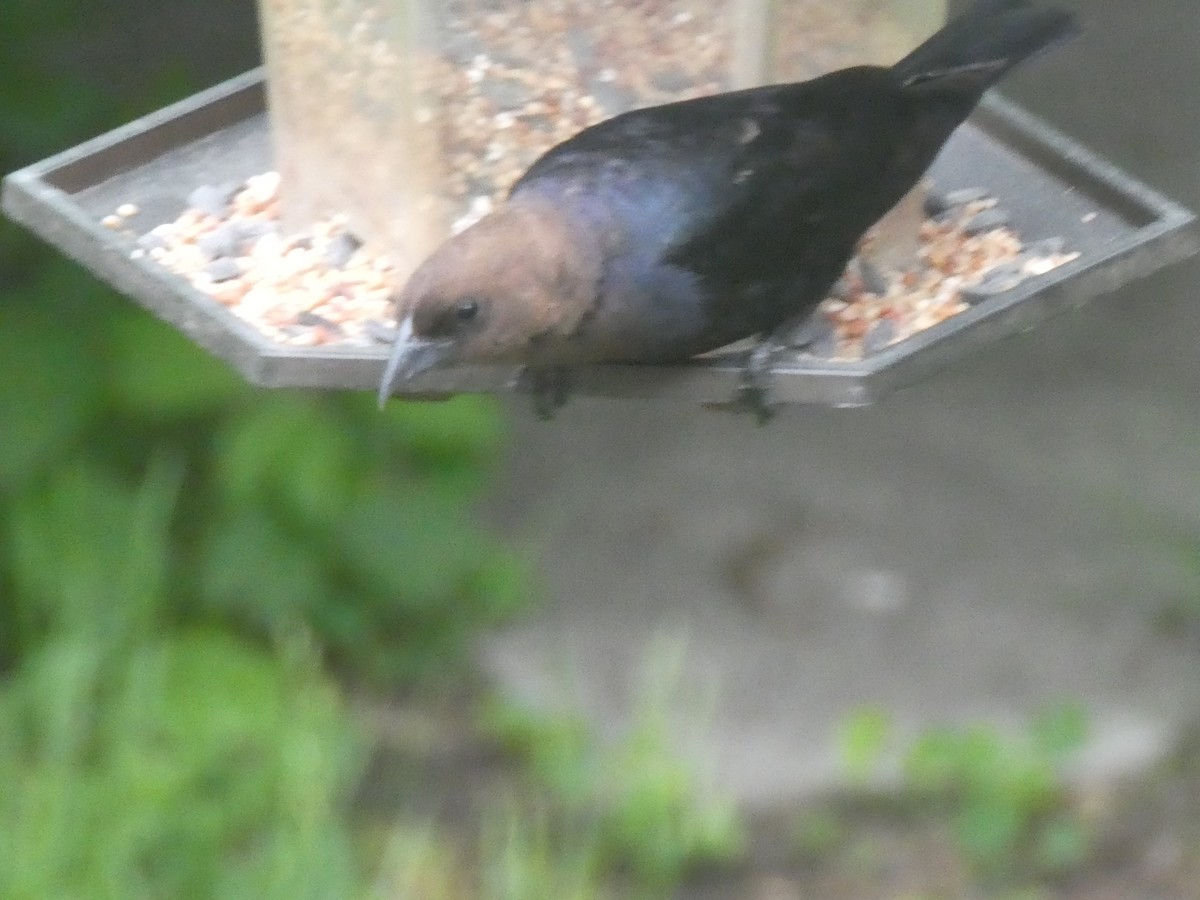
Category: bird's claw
[549,387]
[754,387]
[754,397]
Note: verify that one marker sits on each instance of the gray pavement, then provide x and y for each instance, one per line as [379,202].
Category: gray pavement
[1010,533]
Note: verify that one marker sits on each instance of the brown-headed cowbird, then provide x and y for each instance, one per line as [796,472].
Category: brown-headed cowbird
[673,230]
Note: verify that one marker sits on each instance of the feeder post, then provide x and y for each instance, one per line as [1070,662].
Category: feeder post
[753,47]
[351,91]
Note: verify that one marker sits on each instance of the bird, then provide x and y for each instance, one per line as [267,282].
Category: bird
[673,230]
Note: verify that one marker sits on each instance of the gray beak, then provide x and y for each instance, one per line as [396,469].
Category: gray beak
[410,357]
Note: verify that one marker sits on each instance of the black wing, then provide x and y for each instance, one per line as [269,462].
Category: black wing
[751,185]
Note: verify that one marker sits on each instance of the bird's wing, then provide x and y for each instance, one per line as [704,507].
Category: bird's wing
[733,186]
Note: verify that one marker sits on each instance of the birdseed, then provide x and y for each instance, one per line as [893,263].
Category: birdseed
[323,287]
[512,80]
[957,266]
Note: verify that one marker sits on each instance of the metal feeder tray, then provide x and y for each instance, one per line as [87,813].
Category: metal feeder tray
[1050,185]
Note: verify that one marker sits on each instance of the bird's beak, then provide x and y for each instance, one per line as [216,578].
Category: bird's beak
[410,357]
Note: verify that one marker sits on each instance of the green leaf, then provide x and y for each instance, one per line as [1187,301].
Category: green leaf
[934,761]
[556,746]
[501,585]
[409,546]
[287,451]
[1062,845]
[1060,731]
[251,568]
[525,858]
[204,767]
[863,739]
[988,830]
[49,380]
[463,433]
[156,371]
[90,555]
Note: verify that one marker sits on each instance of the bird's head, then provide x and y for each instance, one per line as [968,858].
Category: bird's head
[514,280]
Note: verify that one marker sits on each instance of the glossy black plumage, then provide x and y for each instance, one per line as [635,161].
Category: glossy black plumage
[669,231]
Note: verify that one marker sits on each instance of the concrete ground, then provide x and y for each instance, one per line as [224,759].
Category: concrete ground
[1018,530]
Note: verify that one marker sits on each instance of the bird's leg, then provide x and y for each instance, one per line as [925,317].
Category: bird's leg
[549,386]
[754,385]
[753,392]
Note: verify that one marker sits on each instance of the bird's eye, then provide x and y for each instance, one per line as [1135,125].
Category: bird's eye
[466,310]
[451,318]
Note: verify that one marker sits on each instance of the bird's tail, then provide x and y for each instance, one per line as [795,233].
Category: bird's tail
[976,49]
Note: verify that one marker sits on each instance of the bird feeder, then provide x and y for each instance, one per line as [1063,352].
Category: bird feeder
[272,217]
[412,118]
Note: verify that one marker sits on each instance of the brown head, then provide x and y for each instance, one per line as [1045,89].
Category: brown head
[515,280]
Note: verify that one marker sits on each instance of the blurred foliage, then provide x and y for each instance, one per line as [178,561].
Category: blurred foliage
[1007,799]
[181,555]
[862,739]
[646,807]
[295,508]
[143,760]
[518,856]
[524,857]
[1003,798]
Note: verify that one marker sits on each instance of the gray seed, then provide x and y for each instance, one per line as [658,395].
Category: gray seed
[998,281]
[537,122]
[462,47]
[582,44]
[840,289]
[938,202]
[879,336]
[379,332]
[935,202]
[1050,246]
[250,230]
[224,268]
[222,241]
[671,81]
[816,336]
[872,278]
[506,94]
[314,320]
[613,98]
[212,200]
[986,220]
[341,248]
[963,196]
[477,186]
[151,241]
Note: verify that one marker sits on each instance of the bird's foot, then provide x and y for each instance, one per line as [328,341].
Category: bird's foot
[754,386]
[549,387]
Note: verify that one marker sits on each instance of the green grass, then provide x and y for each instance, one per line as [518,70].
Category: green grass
[1005,797]
[518,855]
[1002,798]
[647,809]
[295,510]
[145,760]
